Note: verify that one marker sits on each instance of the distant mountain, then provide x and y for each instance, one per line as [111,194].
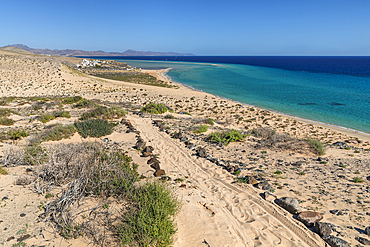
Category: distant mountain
[69,52]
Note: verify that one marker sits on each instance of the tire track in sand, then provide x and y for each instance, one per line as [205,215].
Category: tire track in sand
[253,220]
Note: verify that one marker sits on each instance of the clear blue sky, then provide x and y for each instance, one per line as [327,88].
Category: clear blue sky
[214,27]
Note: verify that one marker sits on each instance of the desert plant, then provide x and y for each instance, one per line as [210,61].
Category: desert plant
[94,127]
[58,132]
[46,117]
[154,108]
[64,114]
[17,134]
[104,112]
[169,116]
[226,137]
[72,100]
[358,180]
[201,129]
[209,121]
[317,146]
[84,103]
[6,121]
[150,221]
[3,171]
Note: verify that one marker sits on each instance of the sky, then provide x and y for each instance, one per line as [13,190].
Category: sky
[202,27]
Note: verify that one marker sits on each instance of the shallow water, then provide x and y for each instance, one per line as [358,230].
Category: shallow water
[338,99]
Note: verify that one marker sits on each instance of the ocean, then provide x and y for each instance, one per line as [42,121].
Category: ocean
[331,90]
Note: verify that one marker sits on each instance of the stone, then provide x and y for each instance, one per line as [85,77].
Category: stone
[155,166]
[367,230]
[152,160]
[148,149]
[177,135]
[267,196]
[252,181]
[363,240]
[24,237]
[299,163]
[147,154]
[140,145]
[322,228]
[201,152]
[22,214]
[290,204]
[183,186]
[335,241]
[159,172]
[264,186]
[309,218]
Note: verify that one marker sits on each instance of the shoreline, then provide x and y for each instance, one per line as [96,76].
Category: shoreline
[345,130]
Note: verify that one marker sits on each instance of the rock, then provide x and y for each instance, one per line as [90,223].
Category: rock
[264,186]
[252,181]
[159,172]
[22,214]
[177,135]
[183,186]
[24,237]
[335,242]
[290,204]
[148,149]
[201,152]
[322,228]
[309,218]
[10,238]
[147,154]
[162,127]
[152,160]
[367,230]
[155,166]
[363,240]
[157,122]
[140,145]
[299,163]
[268,195]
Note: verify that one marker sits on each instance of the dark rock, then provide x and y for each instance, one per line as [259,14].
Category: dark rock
[152,160]
[147,154]
[10,238]
[335,242]
[264,185]
[322,228]
[177,135]
[299,163]
[201,152]
[309,218]
[148,149]
[22,214]
[157,122]
[290,204]
[363,240]
[159,172]
[24,237]
[162,127]
[5,198]
[140,145]
[367,230]
[252,181]
[155,166]
[183,186]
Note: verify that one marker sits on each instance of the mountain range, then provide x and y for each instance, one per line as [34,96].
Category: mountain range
[69,52]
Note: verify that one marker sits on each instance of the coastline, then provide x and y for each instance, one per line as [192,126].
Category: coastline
[348,131]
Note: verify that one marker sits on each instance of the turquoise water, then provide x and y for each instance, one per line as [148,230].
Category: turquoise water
[337,99]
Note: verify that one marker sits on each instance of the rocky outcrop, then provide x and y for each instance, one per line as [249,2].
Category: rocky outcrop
[290,204]
[309,218]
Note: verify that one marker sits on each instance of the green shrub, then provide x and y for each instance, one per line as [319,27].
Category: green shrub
[18,134]
[94,127]
[317,146]
[59,132]
[84,103]
[150,222]
[46,117]
[226,137]
[3,171]
[357,180]
[169,116]
[4,112]
[201,129]
[35,154]
[104,112]
[72,100]
[64,114]
[6,100]
[154,108]
[6,121]
[209,121]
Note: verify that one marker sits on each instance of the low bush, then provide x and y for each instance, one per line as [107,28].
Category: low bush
[209,121]
[47,117]
[6,121]
[94,127]
[317,146]
[3,171]
[17,134]
[4,112]
[358,180]
[58,133]
[104,113]
[150,222]
[169,116]
[72,100]
[201,129]
[84,103]
[154,108]
[226,137]
[64,114]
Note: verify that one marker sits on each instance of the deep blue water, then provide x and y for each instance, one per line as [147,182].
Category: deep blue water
[334,90]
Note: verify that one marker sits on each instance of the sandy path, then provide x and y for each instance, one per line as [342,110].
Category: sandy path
[240,216]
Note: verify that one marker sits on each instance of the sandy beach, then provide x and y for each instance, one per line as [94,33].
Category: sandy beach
[216,210]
